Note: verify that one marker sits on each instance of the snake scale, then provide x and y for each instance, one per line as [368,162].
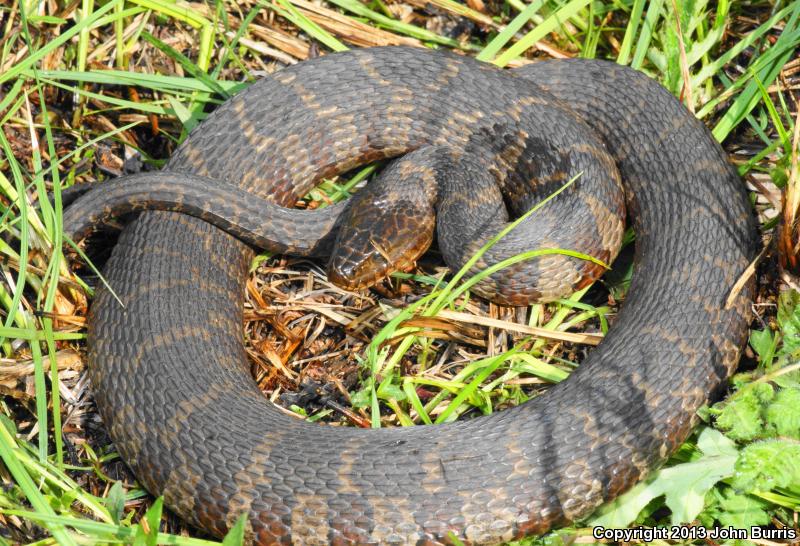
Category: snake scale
[171,378]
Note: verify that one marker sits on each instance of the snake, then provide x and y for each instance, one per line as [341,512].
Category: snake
[166,356]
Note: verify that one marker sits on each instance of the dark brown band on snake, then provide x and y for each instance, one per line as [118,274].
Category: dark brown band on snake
[172,381]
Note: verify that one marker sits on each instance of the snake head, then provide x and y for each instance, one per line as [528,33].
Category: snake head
[376,239]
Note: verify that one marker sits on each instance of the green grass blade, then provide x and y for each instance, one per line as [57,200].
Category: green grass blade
[503,37]
[766,68]
[354,6]
[186,63]
[39,54]
[156,82]
[8,448]
[106,531]
[291,13]
[716,66]
[489,367]
[630,32]
[643,44]
[548,25]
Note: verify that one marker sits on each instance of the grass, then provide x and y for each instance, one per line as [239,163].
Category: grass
[67,115]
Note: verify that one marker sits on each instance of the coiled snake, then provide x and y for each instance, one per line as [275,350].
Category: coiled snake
[169,371]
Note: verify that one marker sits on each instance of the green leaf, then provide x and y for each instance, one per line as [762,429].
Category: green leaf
[451,536]
[788,306]
[783,414]
[189,118]
[391,391]
[683,486]
[743,511]
[361,398]
[529,364]
[789,322]
[9,425]
[737,510]
[416,403]
[763,466]
[153,519]
[235,536]
[762,342]
[741,415]
[46,19]
[115,501]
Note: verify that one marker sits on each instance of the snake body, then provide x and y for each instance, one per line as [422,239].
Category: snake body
[172,382]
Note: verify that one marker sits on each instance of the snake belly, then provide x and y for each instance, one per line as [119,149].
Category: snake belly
[172,383]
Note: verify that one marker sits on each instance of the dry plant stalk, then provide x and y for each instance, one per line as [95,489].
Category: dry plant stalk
[788,235]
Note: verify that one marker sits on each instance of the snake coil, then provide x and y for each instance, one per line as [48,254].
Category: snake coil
[171,378]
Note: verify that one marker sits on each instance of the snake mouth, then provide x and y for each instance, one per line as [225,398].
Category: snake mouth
[351,283]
